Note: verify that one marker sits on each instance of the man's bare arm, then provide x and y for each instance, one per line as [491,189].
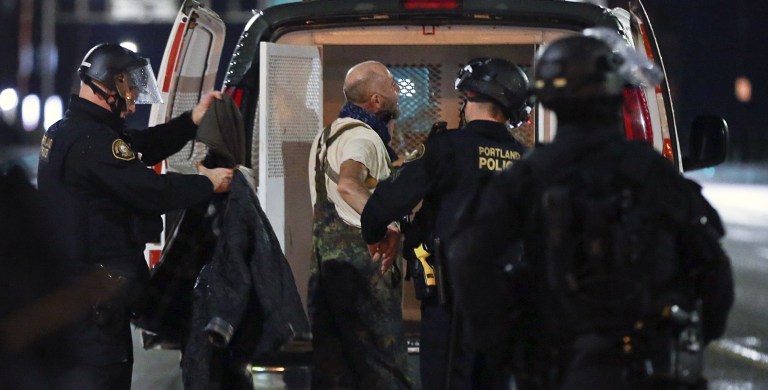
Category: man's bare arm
[351,184]
[352,189]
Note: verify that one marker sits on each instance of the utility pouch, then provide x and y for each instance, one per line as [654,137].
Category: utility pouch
[675,353]
[125,286]
[688,351]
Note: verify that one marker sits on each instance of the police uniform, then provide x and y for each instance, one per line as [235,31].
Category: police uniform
[93,177]
[589,360]
[450,166]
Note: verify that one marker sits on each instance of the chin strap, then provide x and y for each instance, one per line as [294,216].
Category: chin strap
[462,115]
[118,105]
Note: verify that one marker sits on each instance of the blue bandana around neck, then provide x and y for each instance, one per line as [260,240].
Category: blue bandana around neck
[356,112]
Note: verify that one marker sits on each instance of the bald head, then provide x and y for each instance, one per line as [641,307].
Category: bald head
[365,79]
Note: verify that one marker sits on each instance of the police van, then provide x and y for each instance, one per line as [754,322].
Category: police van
[287,69]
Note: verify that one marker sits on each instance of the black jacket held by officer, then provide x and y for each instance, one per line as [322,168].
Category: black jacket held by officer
[93,175]
[595,326]
[443,173]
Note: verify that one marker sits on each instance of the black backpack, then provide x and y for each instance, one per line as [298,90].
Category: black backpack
[603,247]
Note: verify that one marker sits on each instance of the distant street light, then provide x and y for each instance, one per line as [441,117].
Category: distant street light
[52,111]
[742,88]
[9,101]
[30,112]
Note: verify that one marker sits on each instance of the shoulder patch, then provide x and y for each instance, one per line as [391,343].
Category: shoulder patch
[416,154]
[45,147]
[122,151]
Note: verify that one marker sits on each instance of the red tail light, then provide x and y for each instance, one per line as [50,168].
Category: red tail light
[430,4]
[154,257]
[637,118]
[236,94]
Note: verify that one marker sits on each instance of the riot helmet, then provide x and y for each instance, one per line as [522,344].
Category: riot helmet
[597,64]
[123,71]
[499,81]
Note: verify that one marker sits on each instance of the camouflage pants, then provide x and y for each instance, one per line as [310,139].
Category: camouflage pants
[357,328]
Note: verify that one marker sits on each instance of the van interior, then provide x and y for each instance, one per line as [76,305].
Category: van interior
[426,75]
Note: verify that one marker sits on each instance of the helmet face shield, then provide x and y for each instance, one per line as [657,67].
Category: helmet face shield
[636,69]
[138,85]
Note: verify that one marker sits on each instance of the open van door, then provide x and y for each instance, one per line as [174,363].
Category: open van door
[659,98]
[289,115]
[708,134]
[187,71]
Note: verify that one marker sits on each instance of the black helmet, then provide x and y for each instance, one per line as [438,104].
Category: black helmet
[121,70]
[597,64]
[500,81]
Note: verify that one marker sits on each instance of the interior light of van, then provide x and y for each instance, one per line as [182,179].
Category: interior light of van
[430,4]
[637,118]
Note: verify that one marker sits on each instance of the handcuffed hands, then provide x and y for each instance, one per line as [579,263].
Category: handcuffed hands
[386,249]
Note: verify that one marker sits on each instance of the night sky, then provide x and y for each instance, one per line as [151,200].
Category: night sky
[706,45]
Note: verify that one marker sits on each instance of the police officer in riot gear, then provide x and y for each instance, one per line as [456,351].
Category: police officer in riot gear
[445,170]
[563,338]
[93,176]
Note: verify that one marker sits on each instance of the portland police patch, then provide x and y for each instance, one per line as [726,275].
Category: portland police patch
[122,151]
[416,154]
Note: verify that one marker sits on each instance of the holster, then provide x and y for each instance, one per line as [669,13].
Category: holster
[675,351]
[422,287]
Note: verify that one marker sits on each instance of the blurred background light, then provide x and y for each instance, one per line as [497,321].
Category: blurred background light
[743,89]
[9,99]
[52,111]
[30,112]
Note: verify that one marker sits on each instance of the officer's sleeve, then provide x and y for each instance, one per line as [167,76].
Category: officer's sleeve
[111,166]
[159,142]
[395,197]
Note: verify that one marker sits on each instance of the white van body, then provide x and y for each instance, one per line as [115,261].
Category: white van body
[287,70]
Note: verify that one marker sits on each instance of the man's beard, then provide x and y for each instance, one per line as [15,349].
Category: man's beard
[389,113]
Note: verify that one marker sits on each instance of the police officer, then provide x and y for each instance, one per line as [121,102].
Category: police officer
[445,170]
[580,343]
[93,177]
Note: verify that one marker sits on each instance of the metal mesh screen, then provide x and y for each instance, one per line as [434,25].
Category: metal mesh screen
[420,106]
[419,103]
[255,145]
[183,161]
[294,107]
